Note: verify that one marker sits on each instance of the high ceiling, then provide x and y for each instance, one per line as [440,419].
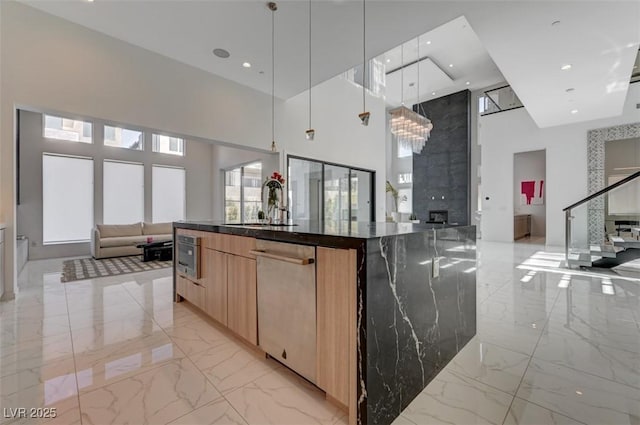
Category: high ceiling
[599,40]
[452,59]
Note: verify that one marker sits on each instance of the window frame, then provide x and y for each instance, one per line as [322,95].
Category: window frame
[153,145]
[82,120]
[116,126]
[242,200]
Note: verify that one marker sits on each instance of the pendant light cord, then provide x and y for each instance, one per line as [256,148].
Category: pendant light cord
[402,75]
[309,64]
[273,77]
[364,54]
[418,83]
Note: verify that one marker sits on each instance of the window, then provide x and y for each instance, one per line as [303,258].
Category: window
[251,191]
[123,192]
[404,178]
[67,199]
[168,144]
[324,191]
[168,198]
[243,193]
[123,138]
[404,151]
[65,129]
[233,195]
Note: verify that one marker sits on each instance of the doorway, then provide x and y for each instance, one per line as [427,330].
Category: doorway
[529,200]
[325,191]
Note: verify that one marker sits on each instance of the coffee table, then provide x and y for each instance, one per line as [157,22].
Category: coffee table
[161,251]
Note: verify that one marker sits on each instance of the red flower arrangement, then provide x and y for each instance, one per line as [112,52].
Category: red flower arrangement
[277,176]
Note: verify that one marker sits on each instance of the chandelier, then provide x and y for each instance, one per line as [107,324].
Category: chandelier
[411,129]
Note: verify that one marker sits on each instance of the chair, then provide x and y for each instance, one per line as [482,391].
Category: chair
[625,225]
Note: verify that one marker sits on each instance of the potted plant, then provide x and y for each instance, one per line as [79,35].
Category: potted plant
[397,199]
[413,218]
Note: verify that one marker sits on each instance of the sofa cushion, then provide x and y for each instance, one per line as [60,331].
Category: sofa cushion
[131,240]
[122,241]
[157,228]
[119,230]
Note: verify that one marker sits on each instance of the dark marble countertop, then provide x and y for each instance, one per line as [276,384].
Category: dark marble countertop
[328,233]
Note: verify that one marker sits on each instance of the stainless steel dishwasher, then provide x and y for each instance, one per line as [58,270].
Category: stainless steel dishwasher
[287,304]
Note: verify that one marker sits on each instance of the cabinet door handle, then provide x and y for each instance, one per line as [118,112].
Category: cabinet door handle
[278,257]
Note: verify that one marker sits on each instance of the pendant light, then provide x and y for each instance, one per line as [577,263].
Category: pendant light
[364,116]
[273,7]
[310,133]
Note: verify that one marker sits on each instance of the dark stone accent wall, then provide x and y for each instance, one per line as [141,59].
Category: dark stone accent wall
[443,166]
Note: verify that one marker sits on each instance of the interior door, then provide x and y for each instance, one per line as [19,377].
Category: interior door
[360,196]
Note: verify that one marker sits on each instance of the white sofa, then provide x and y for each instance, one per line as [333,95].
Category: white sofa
[118,240]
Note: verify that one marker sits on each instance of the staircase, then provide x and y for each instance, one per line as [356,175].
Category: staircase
[617,247]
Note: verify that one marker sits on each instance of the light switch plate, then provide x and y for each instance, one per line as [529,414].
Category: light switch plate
[435,268]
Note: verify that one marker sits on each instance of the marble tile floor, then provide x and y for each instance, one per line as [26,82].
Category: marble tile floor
[554,346]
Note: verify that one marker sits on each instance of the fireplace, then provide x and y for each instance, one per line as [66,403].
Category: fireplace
[438,216]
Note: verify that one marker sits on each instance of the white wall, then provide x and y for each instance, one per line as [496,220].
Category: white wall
[503,134]
[530,166]
[340,138]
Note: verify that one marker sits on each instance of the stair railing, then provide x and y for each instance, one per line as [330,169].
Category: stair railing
[567,211]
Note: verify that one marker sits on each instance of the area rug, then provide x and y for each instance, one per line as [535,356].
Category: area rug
[90,268]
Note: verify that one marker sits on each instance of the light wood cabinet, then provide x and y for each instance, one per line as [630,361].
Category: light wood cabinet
[336,338]
[214,276]
[242,309]
[226,290]
[191,291]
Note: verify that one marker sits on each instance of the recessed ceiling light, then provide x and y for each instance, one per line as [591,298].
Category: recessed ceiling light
[221,53]
[89,1]
[574,111]
[555,23]
[450,65]
[428,41]
[412,84]
[467,83]
[570,89]
[246,65]
[433,93]
[388,60]
[565,67]
[260,72]
[578,392]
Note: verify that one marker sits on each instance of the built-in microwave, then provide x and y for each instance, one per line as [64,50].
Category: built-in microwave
[188,256]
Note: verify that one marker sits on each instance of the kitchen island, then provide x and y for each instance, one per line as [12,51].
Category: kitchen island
[394,303]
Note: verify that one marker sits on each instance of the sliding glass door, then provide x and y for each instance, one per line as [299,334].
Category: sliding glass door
[320,190]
